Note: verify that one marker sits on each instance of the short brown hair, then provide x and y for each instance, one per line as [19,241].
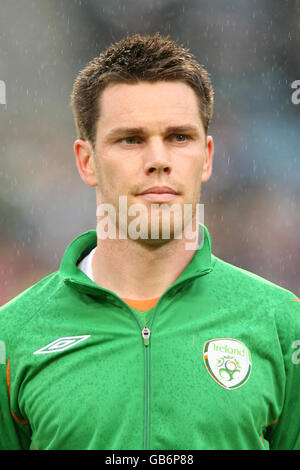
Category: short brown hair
[131,60]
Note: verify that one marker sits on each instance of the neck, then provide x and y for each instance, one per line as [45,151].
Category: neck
[136,270]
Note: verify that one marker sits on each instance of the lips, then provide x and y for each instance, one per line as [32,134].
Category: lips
[158,190]
[159,194]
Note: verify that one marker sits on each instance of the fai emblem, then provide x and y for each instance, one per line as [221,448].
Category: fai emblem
[228,361]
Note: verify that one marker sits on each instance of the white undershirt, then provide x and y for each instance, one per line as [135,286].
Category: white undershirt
[86,264]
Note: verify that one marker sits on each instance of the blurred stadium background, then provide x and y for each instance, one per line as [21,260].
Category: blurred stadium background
[250,48]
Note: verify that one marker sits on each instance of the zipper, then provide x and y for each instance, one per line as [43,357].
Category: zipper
[146,338]
[146,335]
[146,332]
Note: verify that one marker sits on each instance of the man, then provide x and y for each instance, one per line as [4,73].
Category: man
[138,342]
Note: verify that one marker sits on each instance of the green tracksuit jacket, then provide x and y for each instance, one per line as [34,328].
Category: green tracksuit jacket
[216,367]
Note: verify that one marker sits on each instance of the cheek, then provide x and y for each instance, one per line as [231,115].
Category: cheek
[194,170]
[114,178]
[105,168]
[193,179]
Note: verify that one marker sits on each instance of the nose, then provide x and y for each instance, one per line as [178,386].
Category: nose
[157,159]
[159,167]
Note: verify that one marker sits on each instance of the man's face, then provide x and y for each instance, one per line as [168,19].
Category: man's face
[150,135]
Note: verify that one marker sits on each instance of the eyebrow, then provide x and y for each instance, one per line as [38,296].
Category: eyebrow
[120,131]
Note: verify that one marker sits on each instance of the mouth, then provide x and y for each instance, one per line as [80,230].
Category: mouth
[158,194]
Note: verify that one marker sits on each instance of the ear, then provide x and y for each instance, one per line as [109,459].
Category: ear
[85,161]
[207,166]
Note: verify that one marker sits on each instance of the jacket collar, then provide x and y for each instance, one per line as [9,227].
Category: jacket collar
[200,264]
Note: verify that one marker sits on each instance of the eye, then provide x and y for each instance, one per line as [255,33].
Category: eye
[130,140]
[180,137]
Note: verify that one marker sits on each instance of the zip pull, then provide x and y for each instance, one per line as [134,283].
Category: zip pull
[146,335]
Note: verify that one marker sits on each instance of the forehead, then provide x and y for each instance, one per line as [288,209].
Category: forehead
[145,103]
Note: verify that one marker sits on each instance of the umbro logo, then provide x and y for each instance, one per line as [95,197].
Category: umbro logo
[61,344]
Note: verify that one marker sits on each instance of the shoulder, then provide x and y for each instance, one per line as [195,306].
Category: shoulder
[247,283]
[258,301]
[253,293]
[22,309]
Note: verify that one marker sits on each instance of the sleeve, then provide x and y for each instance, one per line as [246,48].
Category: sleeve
[14,434]
[284,434]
